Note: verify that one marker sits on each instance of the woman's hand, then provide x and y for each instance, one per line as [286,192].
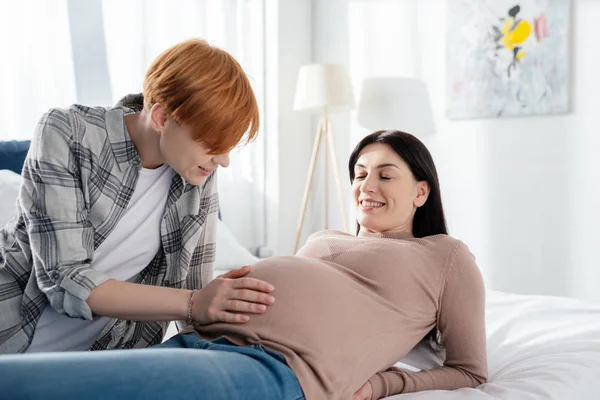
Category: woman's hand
[364,393]
[229,297]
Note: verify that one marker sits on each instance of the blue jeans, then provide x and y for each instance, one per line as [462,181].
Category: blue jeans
[184,367]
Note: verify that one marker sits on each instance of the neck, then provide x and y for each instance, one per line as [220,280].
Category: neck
[387,234]
[406,227]
[145,139]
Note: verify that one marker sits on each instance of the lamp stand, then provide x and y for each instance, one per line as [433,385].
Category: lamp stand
[325,134]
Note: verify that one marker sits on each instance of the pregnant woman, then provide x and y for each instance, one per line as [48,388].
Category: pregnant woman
[348,307]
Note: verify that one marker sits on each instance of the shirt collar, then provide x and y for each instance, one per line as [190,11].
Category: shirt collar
[120,140]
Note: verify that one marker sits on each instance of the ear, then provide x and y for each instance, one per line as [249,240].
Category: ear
[423,190]
[158,118]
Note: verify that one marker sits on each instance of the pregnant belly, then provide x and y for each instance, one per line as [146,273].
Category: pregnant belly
[315,302]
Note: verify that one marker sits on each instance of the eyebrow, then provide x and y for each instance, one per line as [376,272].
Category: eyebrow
[379,166]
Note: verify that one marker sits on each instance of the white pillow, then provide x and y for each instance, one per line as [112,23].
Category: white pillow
[9,191]
[230,254]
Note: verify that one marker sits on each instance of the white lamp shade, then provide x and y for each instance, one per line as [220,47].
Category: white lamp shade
[323,87]
[396,103]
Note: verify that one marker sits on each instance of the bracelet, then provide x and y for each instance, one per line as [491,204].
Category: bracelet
[190,320]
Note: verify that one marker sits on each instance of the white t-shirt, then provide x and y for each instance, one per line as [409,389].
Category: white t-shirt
[124,253]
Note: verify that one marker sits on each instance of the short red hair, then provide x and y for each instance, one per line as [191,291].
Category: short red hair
[204,87]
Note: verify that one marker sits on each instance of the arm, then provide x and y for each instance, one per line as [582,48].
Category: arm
[212,303]
[60,236]
[461,321]
[137,302]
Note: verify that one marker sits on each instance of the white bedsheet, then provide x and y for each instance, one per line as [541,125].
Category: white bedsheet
[9,190]
[539,347]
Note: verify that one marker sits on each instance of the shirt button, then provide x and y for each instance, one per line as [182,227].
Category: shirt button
[55,275]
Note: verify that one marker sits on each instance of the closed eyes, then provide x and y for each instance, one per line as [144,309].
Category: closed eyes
[361,177]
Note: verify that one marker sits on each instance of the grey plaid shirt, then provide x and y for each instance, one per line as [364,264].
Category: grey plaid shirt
[78,178]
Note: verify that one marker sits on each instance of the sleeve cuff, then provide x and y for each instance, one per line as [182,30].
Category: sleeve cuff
[379,386]
[77,288]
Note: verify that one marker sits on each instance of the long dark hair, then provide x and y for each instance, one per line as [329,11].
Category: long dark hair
[429,219]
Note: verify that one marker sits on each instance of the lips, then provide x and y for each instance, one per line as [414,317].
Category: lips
[205,172]
[370,204]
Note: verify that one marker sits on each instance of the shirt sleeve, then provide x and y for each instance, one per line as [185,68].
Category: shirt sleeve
[461,321]
[61,238]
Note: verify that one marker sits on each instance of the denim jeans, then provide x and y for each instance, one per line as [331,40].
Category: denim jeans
[184,367]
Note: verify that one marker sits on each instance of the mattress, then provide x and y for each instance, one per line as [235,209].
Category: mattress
[539,347]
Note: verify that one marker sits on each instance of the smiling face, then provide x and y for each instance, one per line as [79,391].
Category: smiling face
[189,158]
[385,192]
[210,105]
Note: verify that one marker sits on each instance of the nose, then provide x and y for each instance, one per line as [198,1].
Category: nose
[368,185]
[222,160]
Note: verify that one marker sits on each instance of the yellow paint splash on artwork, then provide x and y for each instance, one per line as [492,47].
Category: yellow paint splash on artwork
[516,36]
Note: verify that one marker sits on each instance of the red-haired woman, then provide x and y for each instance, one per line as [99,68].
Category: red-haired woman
[115,228]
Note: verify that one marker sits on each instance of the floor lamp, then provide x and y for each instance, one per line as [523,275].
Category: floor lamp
[323,89]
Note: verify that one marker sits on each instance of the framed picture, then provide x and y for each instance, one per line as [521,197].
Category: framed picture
[507,58]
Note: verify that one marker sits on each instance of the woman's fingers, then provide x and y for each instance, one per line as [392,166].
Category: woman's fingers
[253,284]
[245,301]
[237,273]
[245,307]
[252,296]
[232,318]
[248,301]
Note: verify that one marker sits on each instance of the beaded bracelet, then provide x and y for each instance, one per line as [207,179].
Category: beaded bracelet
[190,321]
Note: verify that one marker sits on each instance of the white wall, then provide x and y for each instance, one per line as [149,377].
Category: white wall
[523,193]
[289,45]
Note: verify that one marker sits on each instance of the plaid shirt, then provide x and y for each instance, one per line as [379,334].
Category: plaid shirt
[78,178]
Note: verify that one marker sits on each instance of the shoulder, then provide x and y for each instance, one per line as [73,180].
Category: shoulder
[53,135]
[446,244]
[70,123]
[75,113]
[459,251]
[460,266]
[452,253]
[65,134]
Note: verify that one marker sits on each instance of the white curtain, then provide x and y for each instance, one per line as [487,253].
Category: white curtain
[41,62]
[36,71]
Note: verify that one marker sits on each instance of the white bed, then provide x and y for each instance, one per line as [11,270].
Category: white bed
[539,347]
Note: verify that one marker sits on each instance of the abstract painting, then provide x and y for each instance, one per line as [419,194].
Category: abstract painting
[507,58]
